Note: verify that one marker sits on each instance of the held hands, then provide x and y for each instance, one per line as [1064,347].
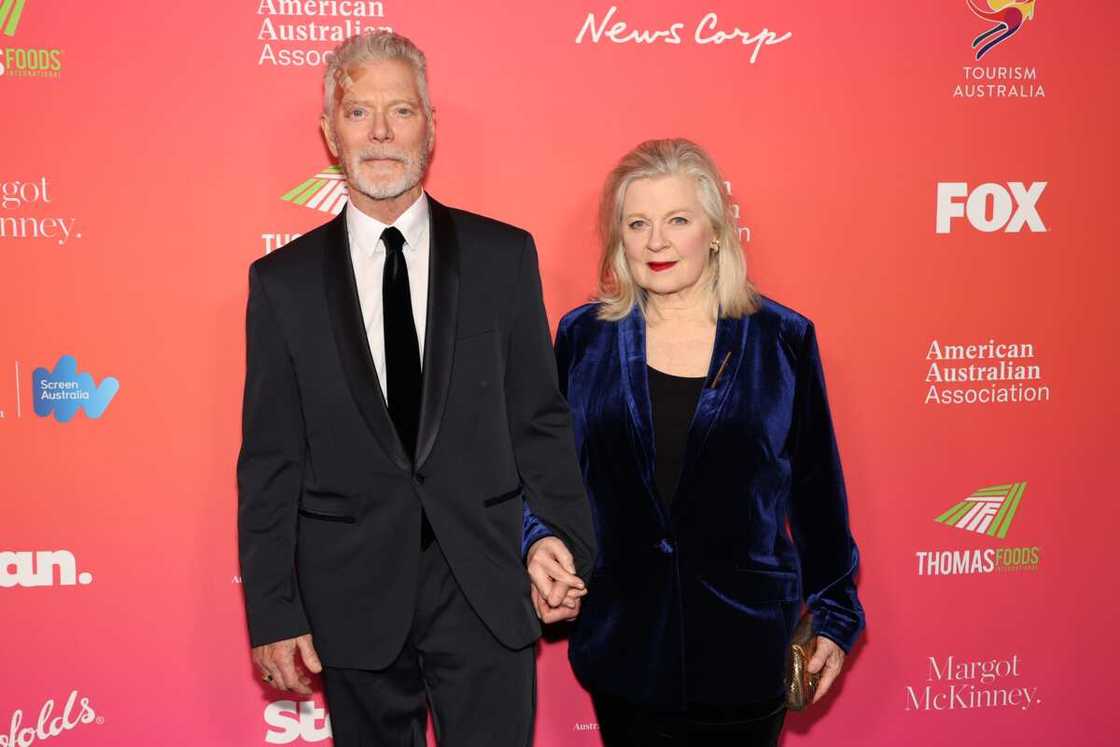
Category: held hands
[555,589]
[277,663]
[828,660]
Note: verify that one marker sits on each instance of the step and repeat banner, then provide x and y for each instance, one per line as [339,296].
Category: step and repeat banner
[932,183]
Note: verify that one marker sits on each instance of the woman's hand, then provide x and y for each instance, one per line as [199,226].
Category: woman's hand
[828,660]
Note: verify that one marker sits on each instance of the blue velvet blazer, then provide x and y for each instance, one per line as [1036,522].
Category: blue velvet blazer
[697,603]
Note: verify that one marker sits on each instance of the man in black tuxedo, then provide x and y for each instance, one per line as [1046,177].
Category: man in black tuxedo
[400,408]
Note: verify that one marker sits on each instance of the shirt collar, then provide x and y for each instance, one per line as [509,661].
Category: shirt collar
[365,231]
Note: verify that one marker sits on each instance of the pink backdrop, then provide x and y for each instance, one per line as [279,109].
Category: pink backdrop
[147,149]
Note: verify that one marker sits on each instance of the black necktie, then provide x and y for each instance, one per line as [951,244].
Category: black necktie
[402,354]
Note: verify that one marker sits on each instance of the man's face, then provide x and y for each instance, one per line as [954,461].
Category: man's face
[378,130]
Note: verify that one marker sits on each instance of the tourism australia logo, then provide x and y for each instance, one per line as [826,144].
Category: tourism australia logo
[1003,19]
[326,191]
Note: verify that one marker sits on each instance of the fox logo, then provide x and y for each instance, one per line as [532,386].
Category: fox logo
[1008,16]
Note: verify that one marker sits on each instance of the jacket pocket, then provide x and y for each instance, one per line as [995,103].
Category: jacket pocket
[323,516]
[509,496]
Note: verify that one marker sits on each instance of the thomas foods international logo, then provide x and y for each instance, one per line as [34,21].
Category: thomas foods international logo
[10,13]
[64,391]
[22,62]
[1005,18]
[326,191]
[987,511]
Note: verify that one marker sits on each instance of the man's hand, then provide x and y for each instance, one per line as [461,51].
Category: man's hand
[556,590]
[828,659]
[277,663]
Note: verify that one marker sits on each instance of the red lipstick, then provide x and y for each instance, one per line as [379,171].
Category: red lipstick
[660,266]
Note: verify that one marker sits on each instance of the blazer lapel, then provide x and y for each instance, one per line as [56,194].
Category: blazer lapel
[353,345]
[727,355]
[635,389]
[439,338]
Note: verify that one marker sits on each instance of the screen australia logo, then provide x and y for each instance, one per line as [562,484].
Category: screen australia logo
[988,512]
[326,191]
[64,391]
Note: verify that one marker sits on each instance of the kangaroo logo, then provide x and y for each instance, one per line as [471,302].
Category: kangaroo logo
[1008,16]
[64,391]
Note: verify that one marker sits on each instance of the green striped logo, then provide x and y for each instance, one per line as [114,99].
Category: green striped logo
[326,191]
[987,511]
[10,12]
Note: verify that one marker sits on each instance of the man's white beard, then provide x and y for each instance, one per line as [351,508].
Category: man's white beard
[383,190]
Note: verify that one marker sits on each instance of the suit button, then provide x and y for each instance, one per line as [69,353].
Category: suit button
[419,478]
[665,546]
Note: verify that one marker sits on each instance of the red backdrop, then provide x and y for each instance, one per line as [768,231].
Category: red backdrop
[147,149]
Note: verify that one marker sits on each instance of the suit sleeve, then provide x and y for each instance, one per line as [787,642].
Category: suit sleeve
[819,508]
[540,425]
[269,477]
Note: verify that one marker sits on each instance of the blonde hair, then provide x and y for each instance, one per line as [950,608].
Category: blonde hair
[732,292]
[374,46]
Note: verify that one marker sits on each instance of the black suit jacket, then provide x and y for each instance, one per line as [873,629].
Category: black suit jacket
[329,503]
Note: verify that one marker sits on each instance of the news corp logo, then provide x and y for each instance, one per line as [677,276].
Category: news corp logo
[64,391]
[291,720]
[30,569]
[990,207]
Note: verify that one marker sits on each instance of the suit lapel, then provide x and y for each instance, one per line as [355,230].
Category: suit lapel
[353,345]
[727,355]
[635,389]
[439,337]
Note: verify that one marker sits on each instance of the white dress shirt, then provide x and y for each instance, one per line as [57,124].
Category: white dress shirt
[367,253]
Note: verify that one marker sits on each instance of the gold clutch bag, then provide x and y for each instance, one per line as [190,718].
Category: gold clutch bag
[801,686]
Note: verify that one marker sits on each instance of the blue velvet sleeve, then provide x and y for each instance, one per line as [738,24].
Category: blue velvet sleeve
[819,508]
[532,528]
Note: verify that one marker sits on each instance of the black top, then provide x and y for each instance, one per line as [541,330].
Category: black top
[672,400]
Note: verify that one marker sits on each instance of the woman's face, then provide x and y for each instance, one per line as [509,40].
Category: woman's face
[666,235]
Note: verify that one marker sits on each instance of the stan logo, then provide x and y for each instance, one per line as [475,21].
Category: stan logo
[64,391]
[291,720]
[325,191]
[1011,208]
[1008,17]
[987,511]
[10,12]
[42,568]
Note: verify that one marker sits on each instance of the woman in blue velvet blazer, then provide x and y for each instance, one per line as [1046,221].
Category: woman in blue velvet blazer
[684,632]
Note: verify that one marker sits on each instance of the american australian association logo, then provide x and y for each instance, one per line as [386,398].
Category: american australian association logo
[988,512]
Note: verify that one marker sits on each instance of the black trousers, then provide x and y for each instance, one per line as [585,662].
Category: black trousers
[479,692]
[622,724]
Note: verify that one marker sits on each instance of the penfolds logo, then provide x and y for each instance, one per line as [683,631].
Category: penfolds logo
[76,712]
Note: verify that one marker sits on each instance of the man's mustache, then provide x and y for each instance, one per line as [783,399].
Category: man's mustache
[373,155]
